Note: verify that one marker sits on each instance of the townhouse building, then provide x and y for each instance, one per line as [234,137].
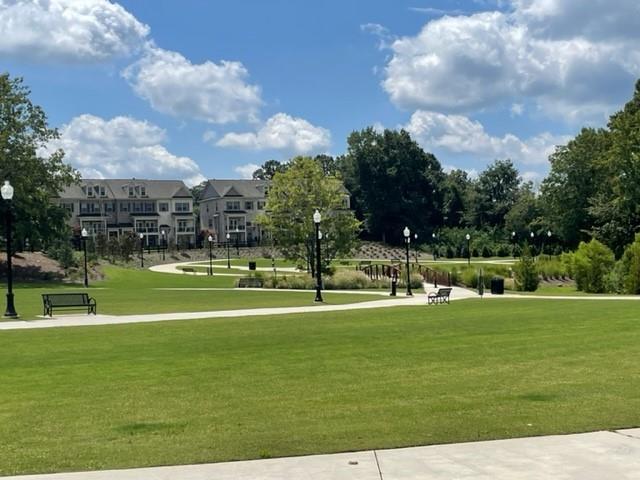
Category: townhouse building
[231,206]
[161,210]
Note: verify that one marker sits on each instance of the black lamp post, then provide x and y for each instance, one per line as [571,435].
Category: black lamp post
[228,255]
[317,217]
[164,243]
[415,246]
[210,255]
[85,234]
[435,246]
[533,245]
[549,238]
[7,196]
[407,240]
[513,242]
[141,250]
[468,237]
[237,232]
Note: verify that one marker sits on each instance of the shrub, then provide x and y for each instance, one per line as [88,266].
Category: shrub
[63,253]
[486,252]
[526,273]
[629,268]
[347,280]
[591,264]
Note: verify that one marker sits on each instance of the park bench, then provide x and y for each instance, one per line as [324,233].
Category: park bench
[188,270]
[68,300]
[441,296]
[249,282]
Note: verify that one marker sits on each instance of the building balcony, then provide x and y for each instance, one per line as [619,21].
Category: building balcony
[186,230]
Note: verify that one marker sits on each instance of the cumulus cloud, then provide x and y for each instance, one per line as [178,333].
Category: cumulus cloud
[68,30]
[468,62]
[281,132]
[460,135]
[209,91]
[246,171]
[122,147]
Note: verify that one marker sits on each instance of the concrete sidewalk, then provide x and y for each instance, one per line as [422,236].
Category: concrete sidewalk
[586,456]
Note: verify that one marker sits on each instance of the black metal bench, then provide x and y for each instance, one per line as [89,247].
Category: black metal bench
[441,296]
[250,282]
[188,270]
[68,300]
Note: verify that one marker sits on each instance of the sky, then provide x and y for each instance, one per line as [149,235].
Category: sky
[195,89]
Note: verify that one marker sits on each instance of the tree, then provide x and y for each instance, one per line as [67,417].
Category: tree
[269,169]
[456,197]
[36,175]
[524,215]
[629,267]
[576,177]
[328,164]
[526,273]
[495,193]
[393,183]
[294,196]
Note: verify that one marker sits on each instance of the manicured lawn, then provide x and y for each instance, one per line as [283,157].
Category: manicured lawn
[130,291]
[223,389]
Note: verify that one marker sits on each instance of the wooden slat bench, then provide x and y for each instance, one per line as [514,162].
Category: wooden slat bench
[249,282]
[68,300]
[441,296]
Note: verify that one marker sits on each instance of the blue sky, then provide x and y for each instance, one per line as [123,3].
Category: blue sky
[199,89]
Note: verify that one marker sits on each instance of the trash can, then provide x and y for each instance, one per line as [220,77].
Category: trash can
[497,286]
[252,265]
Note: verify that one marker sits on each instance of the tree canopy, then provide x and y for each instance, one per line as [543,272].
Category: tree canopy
[36,175]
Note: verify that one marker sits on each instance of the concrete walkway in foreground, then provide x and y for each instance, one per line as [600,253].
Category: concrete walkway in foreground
[586,456]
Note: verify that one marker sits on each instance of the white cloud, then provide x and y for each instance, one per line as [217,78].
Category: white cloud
[213,92]
[68,30]
[209,136]
[122,147]
[466,63]
[517,109]
[281,132]
[460,135]
[246,171]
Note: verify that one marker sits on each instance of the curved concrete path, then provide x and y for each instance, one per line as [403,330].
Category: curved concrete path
[174,268]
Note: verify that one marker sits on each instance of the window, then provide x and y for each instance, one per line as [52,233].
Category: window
[248,205]
[89,207]
[90,192]
[163,206]
[143,191]
[149,207]
[261,205]
[137,207]
[132,192]
[103,192]
[68,206]
[124,207]
[234,205]
[109,207]
[183,207]
[185,226]
[236,223]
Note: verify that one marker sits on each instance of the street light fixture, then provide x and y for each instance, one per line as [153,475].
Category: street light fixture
[141,236]
[435,244]
[85,234]
[7,196]
[164,243]
[210,255]
[468,237]
[533,245]
[317,218]
[415,246]
[407,240]
[228,255]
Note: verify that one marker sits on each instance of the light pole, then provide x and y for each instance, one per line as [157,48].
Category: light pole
[85,234]
[533,246]
[435,244]
[141,236]
[228,255]
[468,237]
[237,232]
[415,246]
[548,239]
[317,217]
[210,255]
[7,196]
[164,243]
[513,243]
[407,240]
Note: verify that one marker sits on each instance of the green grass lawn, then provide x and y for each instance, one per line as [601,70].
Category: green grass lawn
[224,389]
[131,291]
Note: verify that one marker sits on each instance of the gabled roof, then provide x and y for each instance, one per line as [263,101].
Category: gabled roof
[118,189]
[235,188]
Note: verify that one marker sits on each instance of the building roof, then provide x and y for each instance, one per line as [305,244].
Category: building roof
[117,189]
[235,188]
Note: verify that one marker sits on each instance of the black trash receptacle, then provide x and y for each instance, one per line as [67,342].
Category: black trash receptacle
[252,265]
[497,286]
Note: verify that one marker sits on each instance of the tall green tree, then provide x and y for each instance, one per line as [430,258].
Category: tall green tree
[294,196]
[393,183]
[495,193]
[577,176]
[456,197]
[36,175]
[269,169]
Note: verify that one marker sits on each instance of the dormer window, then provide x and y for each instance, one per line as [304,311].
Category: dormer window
[143,191]
[132,192]
[103,192]
[90,192]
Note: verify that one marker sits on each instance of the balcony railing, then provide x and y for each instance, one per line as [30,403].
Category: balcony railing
[186,229]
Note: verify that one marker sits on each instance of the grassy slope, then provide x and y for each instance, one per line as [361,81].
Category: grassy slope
[129,291]
[212,390]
